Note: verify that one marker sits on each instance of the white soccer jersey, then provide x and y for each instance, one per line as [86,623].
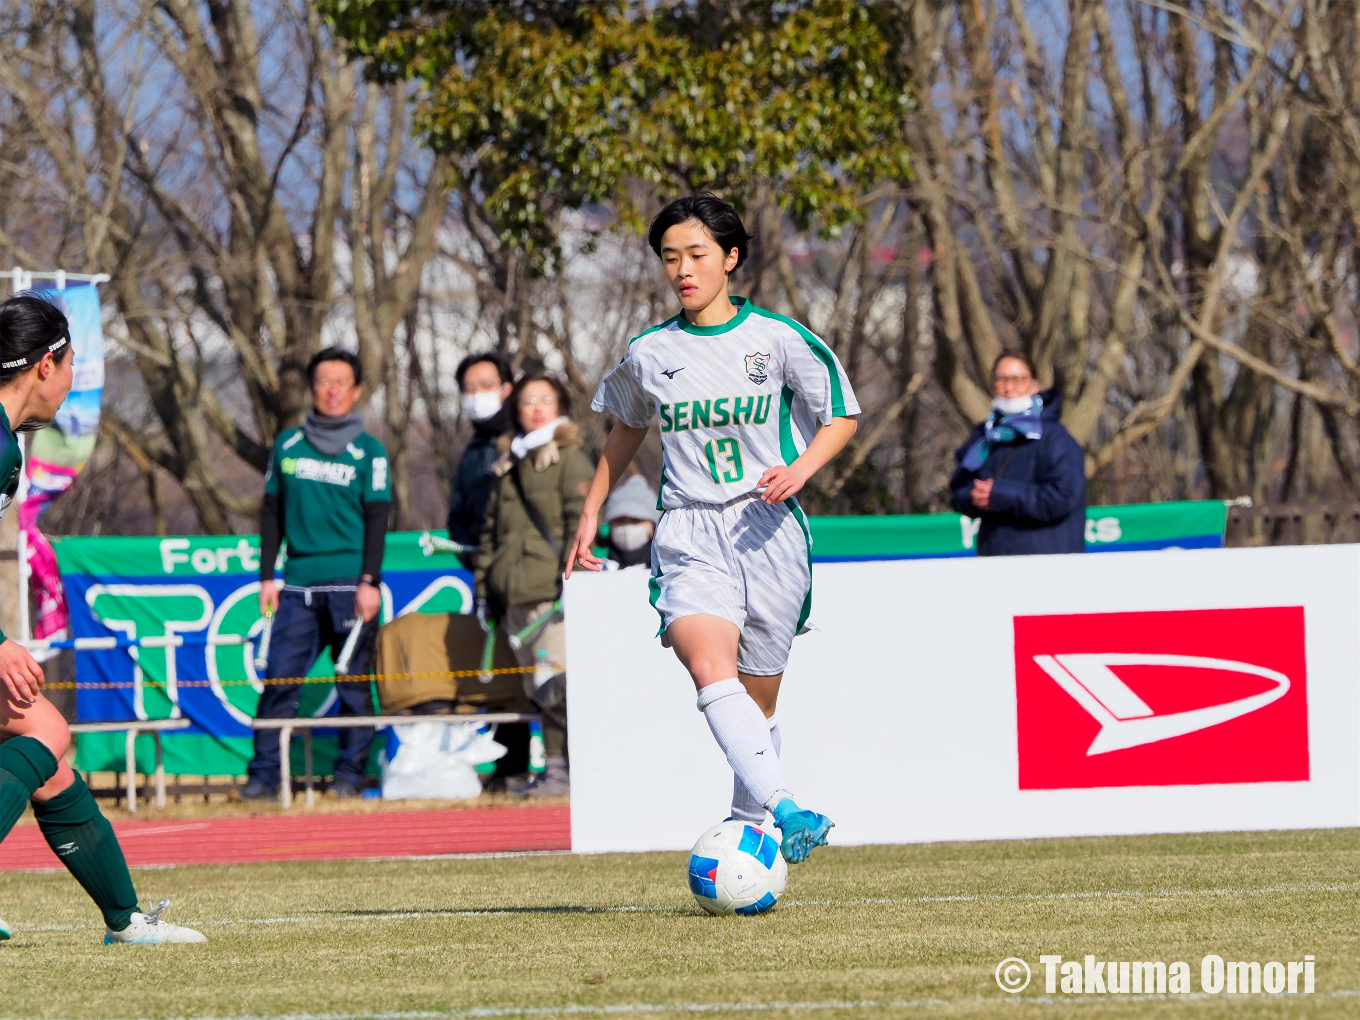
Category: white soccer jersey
[731,400]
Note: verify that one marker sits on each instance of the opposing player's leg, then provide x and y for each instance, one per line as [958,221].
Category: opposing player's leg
[32,762]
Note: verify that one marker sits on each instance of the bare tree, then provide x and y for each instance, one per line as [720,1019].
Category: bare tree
[239,181]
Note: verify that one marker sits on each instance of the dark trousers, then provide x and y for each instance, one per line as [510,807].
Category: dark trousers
[308,620]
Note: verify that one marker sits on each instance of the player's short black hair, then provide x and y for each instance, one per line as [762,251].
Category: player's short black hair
[490,357]
[336,354]
[31,325]
[718,218]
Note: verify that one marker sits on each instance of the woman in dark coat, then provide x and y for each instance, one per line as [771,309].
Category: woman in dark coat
[1020,471]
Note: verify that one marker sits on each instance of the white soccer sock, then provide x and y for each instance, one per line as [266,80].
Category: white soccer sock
[745,806]
[743,732]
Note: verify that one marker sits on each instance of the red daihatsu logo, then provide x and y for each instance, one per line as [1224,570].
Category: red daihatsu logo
[1174,698]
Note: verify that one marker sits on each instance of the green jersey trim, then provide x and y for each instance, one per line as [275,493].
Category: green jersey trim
[653,594]
[743,307]
[822,352]
[786,444]
[654,329]
[807,535]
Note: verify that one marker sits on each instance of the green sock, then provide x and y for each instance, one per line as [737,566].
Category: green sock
[82,837]
[25,765]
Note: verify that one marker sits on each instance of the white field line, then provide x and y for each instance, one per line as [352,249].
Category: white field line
[627,1009]
[657,908]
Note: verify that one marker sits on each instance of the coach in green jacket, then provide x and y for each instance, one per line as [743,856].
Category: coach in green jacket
[328,495]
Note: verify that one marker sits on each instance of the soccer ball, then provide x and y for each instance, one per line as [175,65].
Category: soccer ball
[736,868]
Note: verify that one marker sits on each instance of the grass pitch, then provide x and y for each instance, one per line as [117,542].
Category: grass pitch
[912,931]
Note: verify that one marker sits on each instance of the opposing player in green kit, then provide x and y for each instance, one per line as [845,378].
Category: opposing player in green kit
[35,376]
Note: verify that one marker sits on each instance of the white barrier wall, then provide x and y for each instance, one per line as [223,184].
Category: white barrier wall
[1166,691]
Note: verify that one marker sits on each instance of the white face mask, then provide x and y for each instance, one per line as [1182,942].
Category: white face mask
[481,406]
[630,537]
[1013,405]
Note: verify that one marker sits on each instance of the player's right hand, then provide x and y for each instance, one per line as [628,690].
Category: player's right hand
[583,546]
[20,673]
[269,597]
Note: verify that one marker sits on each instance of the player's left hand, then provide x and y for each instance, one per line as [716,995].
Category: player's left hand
[779,483]
[367,600]
[20,673]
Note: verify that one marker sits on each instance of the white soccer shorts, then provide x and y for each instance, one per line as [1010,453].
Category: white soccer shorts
[745,561]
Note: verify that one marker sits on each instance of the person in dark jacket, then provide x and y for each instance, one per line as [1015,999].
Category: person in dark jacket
[1020,471]
[485,381]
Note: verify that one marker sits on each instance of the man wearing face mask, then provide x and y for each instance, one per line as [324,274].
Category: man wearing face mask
[485,381]
[1020,471]
[631,513]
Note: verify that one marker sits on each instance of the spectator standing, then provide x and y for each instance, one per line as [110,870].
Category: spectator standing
[1020,471]
[485,381]
[631,513]
[327,494]
[535,505]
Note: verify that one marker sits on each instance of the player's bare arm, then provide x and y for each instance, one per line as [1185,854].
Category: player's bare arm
[21,674]
[619,450]
[779,483]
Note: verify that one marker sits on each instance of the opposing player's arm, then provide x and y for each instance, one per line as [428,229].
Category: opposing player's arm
[779,483]
[619,450]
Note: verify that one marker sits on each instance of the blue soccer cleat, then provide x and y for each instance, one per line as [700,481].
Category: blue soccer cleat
[5,932]
[803,830]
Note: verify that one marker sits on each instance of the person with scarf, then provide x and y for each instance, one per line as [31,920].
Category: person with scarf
[327,494]
[485,381]
[542,477]
[1020,472]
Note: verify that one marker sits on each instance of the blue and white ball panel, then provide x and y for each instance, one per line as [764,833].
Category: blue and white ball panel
[736,868]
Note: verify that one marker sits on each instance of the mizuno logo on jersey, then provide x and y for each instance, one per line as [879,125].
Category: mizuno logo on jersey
[308,470]
[716,414]
[670,373]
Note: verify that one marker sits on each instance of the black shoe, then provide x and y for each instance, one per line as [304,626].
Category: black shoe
[345,790]
[255,789]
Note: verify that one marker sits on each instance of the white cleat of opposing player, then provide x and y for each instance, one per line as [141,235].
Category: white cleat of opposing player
[149,930]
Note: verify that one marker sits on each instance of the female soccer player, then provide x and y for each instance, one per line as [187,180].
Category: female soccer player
[750,405]
[35,376]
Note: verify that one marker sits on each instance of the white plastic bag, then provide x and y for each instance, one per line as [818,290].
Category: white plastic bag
[437,761]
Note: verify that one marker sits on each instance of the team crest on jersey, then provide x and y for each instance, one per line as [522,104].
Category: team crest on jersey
[757,367]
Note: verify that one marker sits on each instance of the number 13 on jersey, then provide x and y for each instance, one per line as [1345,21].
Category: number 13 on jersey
[724,460]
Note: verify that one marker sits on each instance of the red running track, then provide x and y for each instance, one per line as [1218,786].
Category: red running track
[315,837]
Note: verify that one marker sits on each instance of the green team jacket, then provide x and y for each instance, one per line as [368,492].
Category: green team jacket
[322,500]
[11,464]
[515,565]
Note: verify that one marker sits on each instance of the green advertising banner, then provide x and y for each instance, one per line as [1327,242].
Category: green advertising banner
[1196,524]
[204,591]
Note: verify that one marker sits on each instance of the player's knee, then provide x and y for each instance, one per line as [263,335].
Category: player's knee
[44,724]
[708,669]
[61,782]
